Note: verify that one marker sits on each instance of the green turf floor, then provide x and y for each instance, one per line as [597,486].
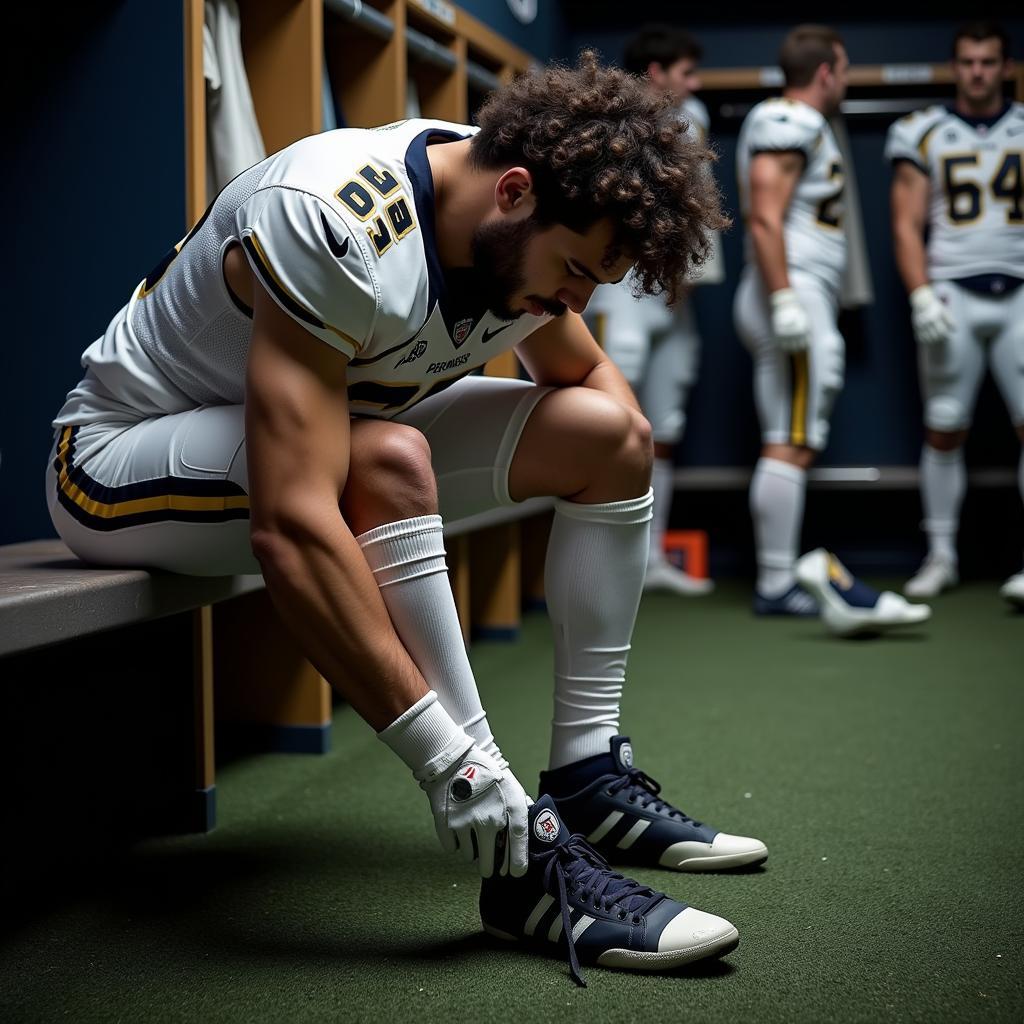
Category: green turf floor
[886,776]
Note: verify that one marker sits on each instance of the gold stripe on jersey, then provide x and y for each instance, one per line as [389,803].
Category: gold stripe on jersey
[798,406]
[154,503]
[922,145]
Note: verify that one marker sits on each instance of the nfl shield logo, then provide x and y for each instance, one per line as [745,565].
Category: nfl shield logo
[462,331]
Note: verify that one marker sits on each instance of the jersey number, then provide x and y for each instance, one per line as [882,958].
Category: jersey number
[394,223]
[829,210]
[964,198]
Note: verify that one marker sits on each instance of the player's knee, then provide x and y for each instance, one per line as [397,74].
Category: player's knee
[390,477]
[945,415]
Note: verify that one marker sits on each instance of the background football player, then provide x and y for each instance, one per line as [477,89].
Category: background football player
[791,186]
[656,346]
[957,177]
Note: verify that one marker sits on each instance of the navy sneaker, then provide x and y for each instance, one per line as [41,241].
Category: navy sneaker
[617,809]
[571,901]
[795,601]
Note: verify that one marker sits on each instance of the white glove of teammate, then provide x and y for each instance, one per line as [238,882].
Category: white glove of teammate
[473,795]
[475,801]
[791,327]
[932,321]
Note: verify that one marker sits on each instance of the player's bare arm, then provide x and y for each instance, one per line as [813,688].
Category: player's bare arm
[297,435]
[563,353]
[909,200]
[773,177]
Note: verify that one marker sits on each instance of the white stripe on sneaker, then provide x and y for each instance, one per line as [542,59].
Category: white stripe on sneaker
[556,928]
[581,926]
[605,827]
[538,912]
[632,835]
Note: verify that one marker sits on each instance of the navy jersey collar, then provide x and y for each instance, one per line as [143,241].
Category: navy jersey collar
[418,168]
[981,122]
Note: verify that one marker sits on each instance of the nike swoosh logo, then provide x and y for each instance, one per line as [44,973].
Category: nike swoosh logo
[338,248]
[490,334]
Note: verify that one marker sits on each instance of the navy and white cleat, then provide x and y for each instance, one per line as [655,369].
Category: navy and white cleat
[571,901]
[795,601]
[849,607]
[617,809]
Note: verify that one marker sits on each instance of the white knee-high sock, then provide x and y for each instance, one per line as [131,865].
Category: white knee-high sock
[777,491]
[943,483]
[594,575]
[661,483]
[408,562]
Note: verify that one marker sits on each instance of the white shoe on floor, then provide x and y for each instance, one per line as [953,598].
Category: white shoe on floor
[935,575]
[850,607]
[1013,590]
[663,575]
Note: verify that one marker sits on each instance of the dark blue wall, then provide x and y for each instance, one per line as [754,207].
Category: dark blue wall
[877,418]
[95,194]
[544,37]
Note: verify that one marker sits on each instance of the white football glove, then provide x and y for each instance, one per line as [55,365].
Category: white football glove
[931,319]
[791,327]
[472,793]
[472,803]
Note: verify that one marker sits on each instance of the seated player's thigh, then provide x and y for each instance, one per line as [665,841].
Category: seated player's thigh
[473,429]
[169,492]
[951,371]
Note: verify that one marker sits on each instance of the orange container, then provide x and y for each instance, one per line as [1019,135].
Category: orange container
[688,549]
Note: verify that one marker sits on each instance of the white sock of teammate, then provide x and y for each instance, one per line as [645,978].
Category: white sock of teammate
[777,508]
[943,482]
[661,482]
[594,576]
[408,562]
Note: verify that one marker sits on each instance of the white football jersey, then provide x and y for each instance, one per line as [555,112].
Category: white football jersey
[976,204]
[813,229]
[339,228]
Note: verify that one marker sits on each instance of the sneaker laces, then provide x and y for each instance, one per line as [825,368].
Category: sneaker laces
[640,786]
[577,865]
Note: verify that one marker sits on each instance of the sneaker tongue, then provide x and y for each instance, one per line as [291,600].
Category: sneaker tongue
[622,753]
[546,828]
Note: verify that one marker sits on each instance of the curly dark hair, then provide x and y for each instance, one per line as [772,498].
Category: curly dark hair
[601,144]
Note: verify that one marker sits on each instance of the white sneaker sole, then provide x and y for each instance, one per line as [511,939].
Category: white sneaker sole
[717,862]
[635,960]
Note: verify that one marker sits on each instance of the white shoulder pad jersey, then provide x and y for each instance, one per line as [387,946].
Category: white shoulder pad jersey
[976,205]
[339,228]
[813,229]
[695,113]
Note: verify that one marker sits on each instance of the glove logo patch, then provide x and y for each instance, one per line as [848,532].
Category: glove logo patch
[545,827]
[626,755]
[464,783]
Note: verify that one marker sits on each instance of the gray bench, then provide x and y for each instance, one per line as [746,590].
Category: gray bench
[163,637]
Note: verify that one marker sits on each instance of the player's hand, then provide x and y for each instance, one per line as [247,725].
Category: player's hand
[473,803]
[791,327]
[931,319]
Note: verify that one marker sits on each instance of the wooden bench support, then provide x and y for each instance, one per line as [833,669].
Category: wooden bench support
[266,692]
[495,596]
